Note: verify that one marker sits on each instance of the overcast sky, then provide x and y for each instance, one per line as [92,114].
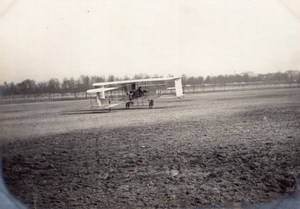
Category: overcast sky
[41,39]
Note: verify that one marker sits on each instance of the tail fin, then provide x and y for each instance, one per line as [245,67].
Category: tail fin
[178,87]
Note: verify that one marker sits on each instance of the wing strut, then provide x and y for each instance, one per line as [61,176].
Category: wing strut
[98,98]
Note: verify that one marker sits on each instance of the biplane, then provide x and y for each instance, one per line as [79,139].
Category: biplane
[140,92]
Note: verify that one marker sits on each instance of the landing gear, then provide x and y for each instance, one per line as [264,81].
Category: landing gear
[151,103]
[127,105]
[130,103]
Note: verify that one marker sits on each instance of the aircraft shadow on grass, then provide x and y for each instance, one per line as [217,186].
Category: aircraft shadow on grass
[102,111]
[181,100]
[10,111]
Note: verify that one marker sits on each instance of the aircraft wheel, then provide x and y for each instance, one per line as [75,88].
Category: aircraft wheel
[151,103]
[127,105]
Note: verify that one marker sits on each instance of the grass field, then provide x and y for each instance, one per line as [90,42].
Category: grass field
[212,148]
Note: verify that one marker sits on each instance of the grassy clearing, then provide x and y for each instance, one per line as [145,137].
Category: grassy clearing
[207,149]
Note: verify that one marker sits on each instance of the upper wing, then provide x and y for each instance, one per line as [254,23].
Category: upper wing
[134,81]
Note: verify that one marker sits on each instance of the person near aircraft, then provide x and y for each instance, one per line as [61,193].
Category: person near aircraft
[140,92]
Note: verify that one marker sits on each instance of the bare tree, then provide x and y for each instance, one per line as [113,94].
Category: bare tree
[26,87]
[111,78]
[53,86]
[96,79]
[70,85]
[126,77]
[42,87]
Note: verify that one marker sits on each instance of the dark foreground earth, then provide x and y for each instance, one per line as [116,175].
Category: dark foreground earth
[208,149]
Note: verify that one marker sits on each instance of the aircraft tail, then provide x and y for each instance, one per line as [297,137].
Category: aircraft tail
[178,87]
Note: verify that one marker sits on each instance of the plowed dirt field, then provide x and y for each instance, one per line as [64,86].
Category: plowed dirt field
[212,148]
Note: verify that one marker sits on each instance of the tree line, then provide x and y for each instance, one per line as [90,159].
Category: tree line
[84,82]
[291,76]
[54,85]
